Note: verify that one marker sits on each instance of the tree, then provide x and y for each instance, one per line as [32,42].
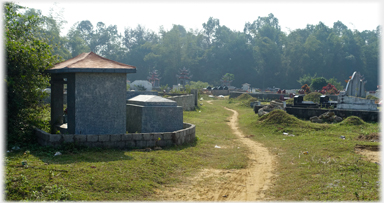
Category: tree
[28,55]
[227,79]
[318,83]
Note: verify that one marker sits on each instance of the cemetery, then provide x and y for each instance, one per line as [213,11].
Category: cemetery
[205,114]
[101,112]
[101,116]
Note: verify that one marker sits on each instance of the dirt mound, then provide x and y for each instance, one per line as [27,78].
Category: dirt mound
[370,137]
[244,96]
[352,120]
[280,117]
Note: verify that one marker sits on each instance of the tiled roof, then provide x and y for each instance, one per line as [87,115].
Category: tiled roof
[91,62]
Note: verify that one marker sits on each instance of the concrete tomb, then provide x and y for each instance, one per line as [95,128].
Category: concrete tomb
[355,86]
[150,113]
[356,103]
[354,95]
[96,89]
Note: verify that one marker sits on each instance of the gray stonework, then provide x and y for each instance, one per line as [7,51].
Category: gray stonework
[149,113]
[220,92]
[185,101]
[99,103]
[121,141]
[355,103]
[355,86]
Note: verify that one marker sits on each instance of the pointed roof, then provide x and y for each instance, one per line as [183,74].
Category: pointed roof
[91,62]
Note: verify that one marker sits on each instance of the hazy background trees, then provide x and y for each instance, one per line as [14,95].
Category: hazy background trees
[261,54]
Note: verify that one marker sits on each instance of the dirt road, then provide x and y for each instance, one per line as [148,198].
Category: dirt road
[247,184]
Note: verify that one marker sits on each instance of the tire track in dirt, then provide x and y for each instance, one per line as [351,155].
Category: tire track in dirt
[259,171]
[247,184]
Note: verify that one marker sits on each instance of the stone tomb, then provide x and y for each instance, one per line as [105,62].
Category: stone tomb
[150,113]
[96,88]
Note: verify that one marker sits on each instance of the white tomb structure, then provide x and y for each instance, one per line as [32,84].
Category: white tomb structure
[354,95]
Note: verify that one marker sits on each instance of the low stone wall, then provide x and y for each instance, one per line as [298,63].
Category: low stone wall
[306,113]
[220,92]
[121,141]
[269,96]
[186,101]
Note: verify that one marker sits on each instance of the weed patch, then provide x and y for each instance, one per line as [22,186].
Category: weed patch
[352,120]
[280,117]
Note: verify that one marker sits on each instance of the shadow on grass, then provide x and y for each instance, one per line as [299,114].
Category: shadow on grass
[70,153]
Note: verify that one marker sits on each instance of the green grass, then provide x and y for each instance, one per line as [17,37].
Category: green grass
[116,175]
[330,171]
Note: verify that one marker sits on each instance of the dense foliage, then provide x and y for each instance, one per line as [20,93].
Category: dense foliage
[261,54]
[28,54]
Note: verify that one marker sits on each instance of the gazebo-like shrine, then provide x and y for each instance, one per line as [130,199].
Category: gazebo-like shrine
[183,77]
[154,78]
[96,94]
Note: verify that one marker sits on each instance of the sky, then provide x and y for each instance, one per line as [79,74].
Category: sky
[359,15]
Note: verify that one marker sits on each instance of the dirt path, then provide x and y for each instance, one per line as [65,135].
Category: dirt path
[247,184]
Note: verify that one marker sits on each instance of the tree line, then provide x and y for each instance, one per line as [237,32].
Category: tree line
[261,54]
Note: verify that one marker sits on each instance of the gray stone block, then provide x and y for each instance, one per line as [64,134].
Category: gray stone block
[116,144]
[104,138]
[147,136]
[68,138]
[115,138]
[130,144]
[40,135]
[162,143]
[156,136]
[137,136]
[141,144]
[100,101]
[80,138]
[95,144]
[167,136]
[151,143]
[169,142]
[54,138]
[174,138]
[148,113]
[92,138]
[126,137]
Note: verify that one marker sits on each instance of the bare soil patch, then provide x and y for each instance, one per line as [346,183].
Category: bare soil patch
[370,152]
[248,184]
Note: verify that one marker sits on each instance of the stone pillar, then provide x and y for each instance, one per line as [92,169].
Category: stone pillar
[194,92]
[71,125]
[57,87]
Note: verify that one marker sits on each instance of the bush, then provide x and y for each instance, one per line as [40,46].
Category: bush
[306,89]
[244,96]
[28,55]
[313,96]
[371,97]
[318,83]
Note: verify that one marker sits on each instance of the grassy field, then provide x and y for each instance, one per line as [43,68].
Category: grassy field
[315,164]
[97,174]
[330,170]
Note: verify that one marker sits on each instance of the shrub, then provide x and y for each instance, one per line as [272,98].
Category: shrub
[306,89]
[28,55]
[313,96]
[329,89]
[318,83]
[244,96]
[372,97]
